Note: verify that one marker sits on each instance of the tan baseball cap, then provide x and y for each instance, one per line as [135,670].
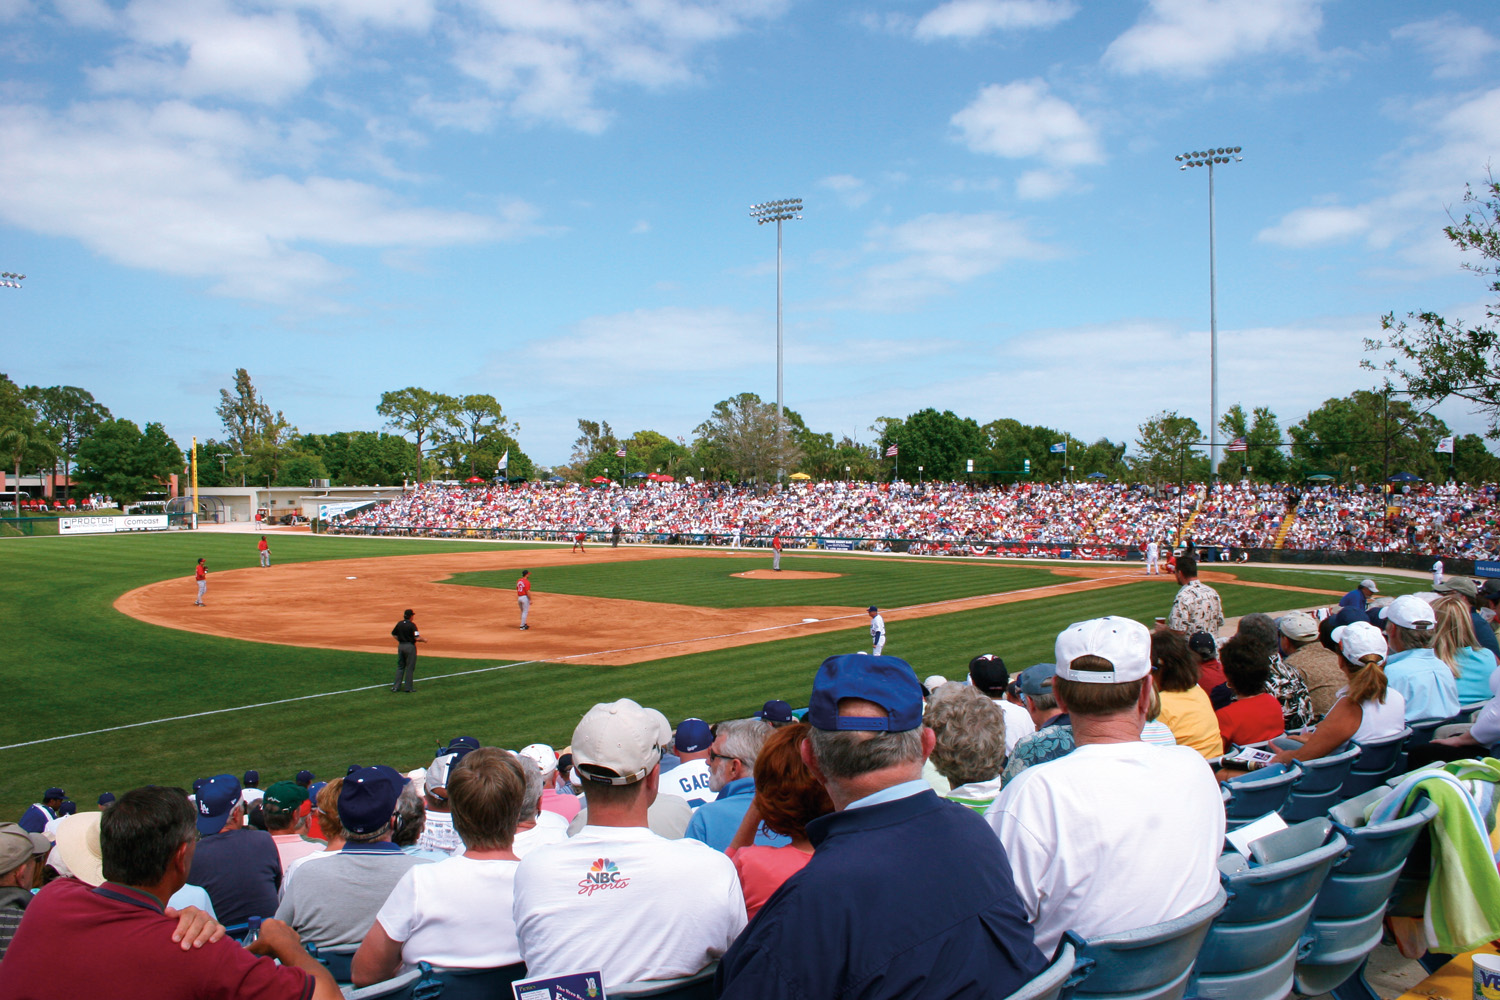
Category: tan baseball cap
[18,846]
[1299,626]
[617,743]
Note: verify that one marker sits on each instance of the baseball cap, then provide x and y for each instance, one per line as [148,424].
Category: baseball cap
[775,712]
[693,736]
[543,756]
[1369,585]
[251,779]
[106,799]
[987,672]
[617,743]
[1359,639]
[872,609]
[1457,585]
[1203,643]
[663,727]
[1410,611]
[217,797]
[78,847]
[933,682]
[1123,642]
[67,807]
[286,795]
[1298,626]
[368,798]
[1037,680]
[888,681]
[304,778]
[18,845]
[54,793]
[1491,589]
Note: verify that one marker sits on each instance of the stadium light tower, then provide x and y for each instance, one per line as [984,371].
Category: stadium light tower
[778,212]
[1207,158]
[9,279]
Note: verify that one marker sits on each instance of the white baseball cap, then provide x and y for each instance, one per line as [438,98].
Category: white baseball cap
[1359,639]
[543,755]
[1410,611]
[617,743]
[664,730]
[1124,642]
[1369,585]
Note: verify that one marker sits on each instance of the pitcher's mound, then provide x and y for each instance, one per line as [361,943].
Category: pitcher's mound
[786,574]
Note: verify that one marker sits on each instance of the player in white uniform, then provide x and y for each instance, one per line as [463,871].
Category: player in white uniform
[877,630]
[1153,557]
[1437,574]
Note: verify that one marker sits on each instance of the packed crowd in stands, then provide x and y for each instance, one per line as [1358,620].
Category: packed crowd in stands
[897,838]
[1102,520]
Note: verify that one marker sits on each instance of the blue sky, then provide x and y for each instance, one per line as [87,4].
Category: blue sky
[547,200]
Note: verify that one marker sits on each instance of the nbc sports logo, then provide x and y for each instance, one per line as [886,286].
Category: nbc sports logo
[602,874]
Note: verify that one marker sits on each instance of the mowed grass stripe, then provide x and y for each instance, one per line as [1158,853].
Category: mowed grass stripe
[710,581]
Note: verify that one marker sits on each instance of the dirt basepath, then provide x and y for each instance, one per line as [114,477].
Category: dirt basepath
[353,603]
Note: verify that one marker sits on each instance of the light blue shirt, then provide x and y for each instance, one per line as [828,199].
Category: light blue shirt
[902,791]
[716,823]
[1430,690]
[1477,663]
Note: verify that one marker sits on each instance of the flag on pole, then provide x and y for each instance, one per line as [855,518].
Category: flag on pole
[1060,448]
[504,462]
[891,452]
[1445,445]
[1238,444]
[620,453]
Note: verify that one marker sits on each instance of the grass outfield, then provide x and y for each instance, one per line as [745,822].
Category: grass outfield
[73,664]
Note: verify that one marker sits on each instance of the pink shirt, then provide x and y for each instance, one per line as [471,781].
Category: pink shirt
[763,869]
[291,846]
[564,805]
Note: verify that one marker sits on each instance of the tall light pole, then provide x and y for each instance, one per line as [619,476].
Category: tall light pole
[778,212]
[1207,158]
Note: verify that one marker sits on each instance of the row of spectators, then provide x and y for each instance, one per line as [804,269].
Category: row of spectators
[1449,521]
[899,839]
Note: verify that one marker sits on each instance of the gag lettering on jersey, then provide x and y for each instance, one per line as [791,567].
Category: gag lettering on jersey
[693,783]
[602,874]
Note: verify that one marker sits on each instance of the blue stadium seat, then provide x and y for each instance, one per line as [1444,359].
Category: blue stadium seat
[1152,963]
[1318,788]
[480,984]
[1378,760]
[1049,983]
[1422,730]
[1350,908]
[414,984]
[1253,795]
[1252,945]
[336,958]
[698,986]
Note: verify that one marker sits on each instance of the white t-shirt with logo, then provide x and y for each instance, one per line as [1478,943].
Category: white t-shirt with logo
[454,913]
[689,780]
[679,899]
[438,834]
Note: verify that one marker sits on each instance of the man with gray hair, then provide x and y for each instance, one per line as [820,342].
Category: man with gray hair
[957,927]
[535,827]
[731,776]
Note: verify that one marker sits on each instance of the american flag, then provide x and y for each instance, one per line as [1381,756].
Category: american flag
[620,453]
[890,452]
[1238,444]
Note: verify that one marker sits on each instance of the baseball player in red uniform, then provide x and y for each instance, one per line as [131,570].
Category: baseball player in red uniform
[523,596]
[776,552]
[578,542]
[265,552]
[201,575]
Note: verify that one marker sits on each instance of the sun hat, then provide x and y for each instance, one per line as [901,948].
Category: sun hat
[78,847]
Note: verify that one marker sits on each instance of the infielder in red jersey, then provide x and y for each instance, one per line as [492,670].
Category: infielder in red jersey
[523,596]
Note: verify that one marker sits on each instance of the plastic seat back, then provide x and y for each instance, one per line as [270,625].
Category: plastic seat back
[1320,785]
[1151,963]
[1378,760]
[413,984]
[1049,983]
[480,984]
[338,959]
[1259,792]
[1422,731]
[698,986]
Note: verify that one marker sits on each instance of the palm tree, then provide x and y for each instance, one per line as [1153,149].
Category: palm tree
[17,442]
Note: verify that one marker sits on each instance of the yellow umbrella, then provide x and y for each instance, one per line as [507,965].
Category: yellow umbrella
[799,475]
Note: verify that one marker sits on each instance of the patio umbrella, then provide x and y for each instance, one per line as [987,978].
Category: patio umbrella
[799,475]
[638,475]
[599,479]
[1405,477]
[474,479]
[1097,475]
[1321,477]
[556,479]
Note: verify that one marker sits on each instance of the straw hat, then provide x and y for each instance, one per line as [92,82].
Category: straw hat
[78,847]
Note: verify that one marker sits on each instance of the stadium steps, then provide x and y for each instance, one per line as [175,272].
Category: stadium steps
[1285,529]
[1186,531]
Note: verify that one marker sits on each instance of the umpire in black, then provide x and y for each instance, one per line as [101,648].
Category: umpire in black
[407,638]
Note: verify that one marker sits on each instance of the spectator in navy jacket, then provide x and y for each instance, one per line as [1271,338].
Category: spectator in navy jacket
[906,895]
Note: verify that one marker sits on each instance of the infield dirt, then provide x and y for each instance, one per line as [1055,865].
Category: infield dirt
[352,604]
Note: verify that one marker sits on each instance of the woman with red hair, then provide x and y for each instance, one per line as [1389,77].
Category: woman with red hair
[787,798]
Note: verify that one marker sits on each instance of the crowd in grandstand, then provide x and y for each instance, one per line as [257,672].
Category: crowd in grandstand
[1110,520]
[897,838]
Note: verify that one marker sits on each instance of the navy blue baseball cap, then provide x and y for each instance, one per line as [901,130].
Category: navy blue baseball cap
[107,799]
[776,713]
[888,681]
[368,798]
[304,778]
[216,797]
[692,736]
[67,807]
[53,793]
[251,779]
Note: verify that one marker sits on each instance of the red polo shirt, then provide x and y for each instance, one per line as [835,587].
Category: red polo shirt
[115,941]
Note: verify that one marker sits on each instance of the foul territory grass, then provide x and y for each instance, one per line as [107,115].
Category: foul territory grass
[73,663]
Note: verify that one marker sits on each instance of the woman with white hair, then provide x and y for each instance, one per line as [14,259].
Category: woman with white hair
[970,748]
[1367,709]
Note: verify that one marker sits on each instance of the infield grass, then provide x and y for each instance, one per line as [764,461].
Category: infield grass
[72,663]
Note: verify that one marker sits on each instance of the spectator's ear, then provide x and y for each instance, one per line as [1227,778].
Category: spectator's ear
[805,750]
[929,740]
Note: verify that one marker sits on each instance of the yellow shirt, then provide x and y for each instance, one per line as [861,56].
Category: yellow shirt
[1190,716]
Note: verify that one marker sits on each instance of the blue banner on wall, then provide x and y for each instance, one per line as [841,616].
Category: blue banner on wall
[1486,567]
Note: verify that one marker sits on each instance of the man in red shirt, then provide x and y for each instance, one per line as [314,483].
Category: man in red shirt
[523,596]
[776,552]
[121,941]
[265,552]
[201,575]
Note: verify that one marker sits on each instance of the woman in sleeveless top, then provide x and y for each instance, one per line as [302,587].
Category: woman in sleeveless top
[1367,709]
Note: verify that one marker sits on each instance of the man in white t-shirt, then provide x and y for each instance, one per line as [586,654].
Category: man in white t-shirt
[250,790]
[439,834]
[689,780]
[535,827]
[1119,834]
[457,913]
[680,899]
[988,674]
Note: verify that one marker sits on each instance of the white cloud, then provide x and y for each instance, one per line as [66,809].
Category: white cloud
[1192,38]
[171,190]
[1457,49]
[1317,226]
[640,228]
[1023,119]
[933,253]
[1040,185]
[973,18]
[850,190]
